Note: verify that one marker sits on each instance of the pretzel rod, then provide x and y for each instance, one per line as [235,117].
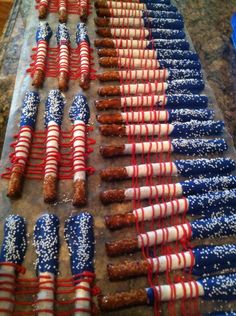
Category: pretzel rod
[157,101]
[172,86]
[193,147]
[83,43]
[12,255]
[185,168]
[173,190]
[176,44]
[200,260]
[63,42]
[79,115]
[46,241]
[43,8]
[80,240]
[140,33]
[53,119]
[43,36]
[175,129]
[140,22]
[218,287]
[84,10]
[22,148]
[199,229]
[134,6]
[148,53]
[62,11]
[112,12]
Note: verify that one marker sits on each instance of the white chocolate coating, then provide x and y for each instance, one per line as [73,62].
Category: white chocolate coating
[144,88]
[126,5]
[149,129]
[52,150]
[126,13]
[84,57]
[129,33]
[7,305]
[152,169]
[161,190]
[83,304]
[22,147]
[41,55]
[131,63]
[145,116]
[171,262]
[177,206]
[144,74]
[64,58]
[164,235]
[127,43]
[143,100]
[126,21]
[148,147]
[46,294]
[79,143]
[136,53]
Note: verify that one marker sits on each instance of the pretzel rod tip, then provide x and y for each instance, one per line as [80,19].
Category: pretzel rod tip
[84,15]
[112,196]
[50,189]
[79,198]
[42,12]
[127,269]
[112,130]
[111,174]
[121,247]
[62,16]
[112,151]
[118,221]
[84,81]
[38,79]
[108,104]
[63,81]
[15,183]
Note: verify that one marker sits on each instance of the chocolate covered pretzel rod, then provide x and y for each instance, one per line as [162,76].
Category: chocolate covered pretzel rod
[189,147]
[171,101]
[63,42]
[27,123]
[199,260]
[134,6]
[83,43]
[185,168]
[206,205]
[175,129]
[180,115]
[112,12]
[148,74]
[80,240]
[79,115]
[43,36]
[43,8]
[218,287]
[141,34]
[179,189]
[11,257]
[62,11]
[162,23]
[172,86]
[212,228]
[175,44]
[46,242]
[53,118]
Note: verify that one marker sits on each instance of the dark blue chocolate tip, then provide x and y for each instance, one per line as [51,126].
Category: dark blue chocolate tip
[160,7]
[162,14]
[46,242]
[180,44]
[193,85]
[44,32]
[14,242]
[219,287]
[156,1]
[185,115]
[176,54]
[163,23]
[82,33]
[210,259]
[221,314]
[62,35]
[80,240]
[187,101]
[196,128]
[180,64]
[175,74]
[204,166]
[30,109]
[203,185]
[198,147]
[80,109]
[167,34]
[54,107]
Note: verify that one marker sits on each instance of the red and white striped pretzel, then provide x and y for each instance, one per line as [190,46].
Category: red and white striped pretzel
[62,10]
[40,63]
[84,9]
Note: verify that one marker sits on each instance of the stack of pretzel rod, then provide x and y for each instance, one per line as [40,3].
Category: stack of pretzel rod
[154,82]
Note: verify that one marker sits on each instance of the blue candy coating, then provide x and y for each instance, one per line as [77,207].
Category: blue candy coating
[180,64]
[29,109]
[220,287]
[194,85]
[161,7]
[204,166]
[221,314]
[79,109]
[209,259]
[168,44]
[82,33]
[154,1]
[187,101]
[166,34]
[196,128]
[184,73]
[163,23]
[46,242]
[80,240]
[14,243]
[201,147]
[216,227]
[185,115]
[199,186]
[44,32]
[162,14]
[54,107]
[62,35]
[176,54]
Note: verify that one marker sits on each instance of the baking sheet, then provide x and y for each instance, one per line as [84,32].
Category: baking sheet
[31,205]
